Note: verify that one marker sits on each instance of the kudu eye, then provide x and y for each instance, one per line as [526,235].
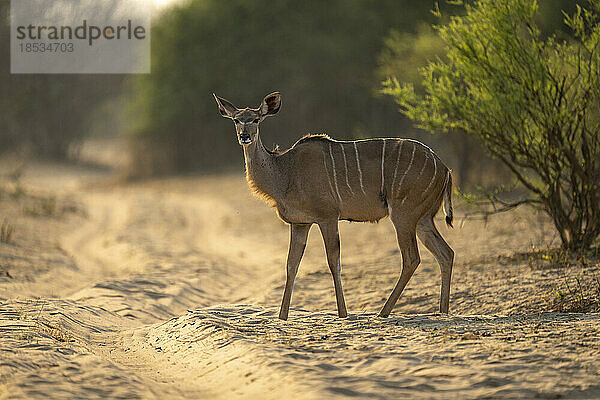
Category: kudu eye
[255,121]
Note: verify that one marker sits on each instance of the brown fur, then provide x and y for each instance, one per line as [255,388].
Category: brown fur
[259,193]
[320,181]
[313,136]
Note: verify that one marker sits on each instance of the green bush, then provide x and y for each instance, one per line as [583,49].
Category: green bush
[533,101]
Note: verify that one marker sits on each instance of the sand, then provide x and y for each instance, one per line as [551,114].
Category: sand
[170,288]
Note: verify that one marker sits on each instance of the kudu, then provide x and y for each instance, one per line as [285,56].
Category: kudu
[321,181]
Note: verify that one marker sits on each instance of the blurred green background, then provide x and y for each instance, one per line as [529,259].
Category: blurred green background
[328,60]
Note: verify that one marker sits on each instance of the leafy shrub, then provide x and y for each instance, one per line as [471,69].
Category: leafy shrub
[533,101]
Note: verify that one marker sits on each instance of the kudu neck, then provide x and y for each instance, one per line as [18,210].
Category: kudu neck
[262,169]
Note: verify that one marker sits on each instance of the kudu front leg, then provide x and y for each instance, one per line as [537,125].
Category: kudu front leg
[331,237]
[298,235]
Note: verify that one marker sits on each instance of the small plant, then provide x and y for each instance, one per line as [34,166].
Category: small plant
[557,257]
[597,289]
[38,326]
[561,257]
[576,296]
[53,332]
[45,207]
[550,258]
[6,231]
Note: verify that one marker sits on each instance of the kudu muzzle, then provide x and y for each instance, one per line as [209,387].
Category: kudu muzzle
[244,136]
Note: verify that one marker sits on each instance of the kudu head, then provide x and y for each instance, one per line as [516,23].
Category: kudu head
[246,120]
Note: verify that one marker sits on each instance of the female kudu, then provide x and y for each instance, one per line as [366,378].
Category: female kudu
[321,181]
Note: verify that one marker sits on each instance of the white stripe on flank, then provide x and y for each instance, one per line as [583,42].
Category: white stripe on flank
[423,167]
[359,170]
[346,167]
[334,177]
[327,173]
[396,169]
[433,177]
[382,161]
[412,158]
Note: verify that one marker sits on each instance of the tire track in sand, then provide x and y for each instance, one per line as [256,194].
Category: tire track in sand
[150,256]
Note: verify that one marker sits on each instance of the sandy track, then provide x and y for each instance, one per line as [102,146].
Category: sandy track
[174,292]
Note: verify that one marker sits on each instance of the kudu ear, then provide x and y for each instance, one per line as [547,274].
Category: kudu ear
[225,108]
[270,104]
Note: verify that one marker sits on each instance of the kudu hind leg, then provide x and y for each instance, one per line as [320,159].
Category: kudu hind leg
[298,236]
[435,243]
[410,262]
[331,237]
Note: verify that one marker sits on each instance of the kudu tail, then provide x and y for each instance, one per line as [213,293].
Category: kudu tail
[448,201]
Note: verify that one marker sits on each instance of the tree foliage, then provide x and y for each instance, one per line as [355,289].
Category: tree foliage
[533,100]
[46,114]
[402,57]
[320,55]
[404,53]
